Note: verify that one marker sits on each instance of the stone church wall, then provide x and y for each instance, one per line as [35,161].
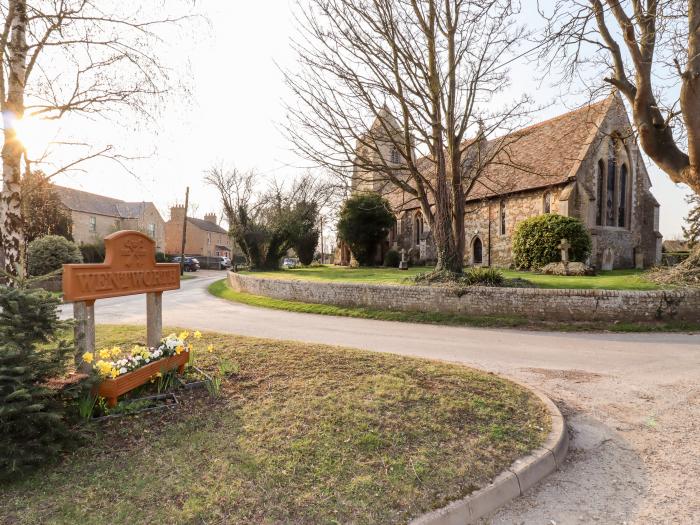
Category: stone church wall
[530,303]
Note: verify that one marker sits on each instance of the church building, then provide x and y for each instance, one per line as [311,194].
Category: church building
[584,164]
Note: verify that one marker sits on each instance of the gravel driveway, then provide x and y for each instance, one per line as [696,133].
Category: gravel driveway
[632,400]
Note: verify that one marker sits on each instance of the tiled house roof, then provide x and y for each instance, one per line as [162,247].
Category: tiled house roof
[545,154]
[77,200]
[206,225]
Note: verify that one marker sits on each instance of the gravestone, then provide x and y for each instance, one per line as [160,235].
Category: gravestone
[403,264]
[130,268]
[608,259]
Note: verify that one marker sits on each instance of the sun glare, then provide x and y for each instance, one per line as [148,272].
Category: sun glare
[34,134]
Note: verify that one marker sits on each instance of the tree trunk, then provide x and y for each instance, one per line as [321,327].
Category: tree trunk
[11,235]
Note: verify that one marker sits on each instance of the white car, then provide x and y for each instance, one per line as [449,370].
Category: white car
[289,263]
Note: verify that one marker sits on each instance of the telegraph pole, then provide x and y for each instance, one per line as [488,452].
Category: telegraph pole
[184,232]
[323,260]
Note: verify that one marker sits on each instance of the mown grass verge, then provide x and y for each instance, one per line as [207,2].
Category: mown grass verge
[223,290]
[608,280]
[300,434]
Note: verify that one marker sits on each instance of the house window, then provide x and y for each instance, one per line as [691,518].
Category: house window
[502,215]
[547,203]
[151,230]
[208,238]
[93,223]
[610,219]
[622,208]
[418,228]
[395,157]
[600,204]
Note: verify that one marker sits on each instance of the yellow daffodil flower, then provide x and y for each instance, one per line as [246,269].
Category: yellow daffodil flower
[179,350]
[114,373]
[105,354]
[88,357]
[183,335]
[198,335]
[189,348]
[210,348]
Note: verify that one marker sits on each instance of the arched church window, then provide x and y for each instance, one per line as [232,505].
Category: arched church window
[502,217]
[418,228]
[600,199]
[395,157]
[547,202]
[622,208]
[610,218]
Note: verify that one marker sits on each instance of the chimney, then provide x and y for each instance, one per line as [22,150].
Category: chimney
[210,217]
[177,213]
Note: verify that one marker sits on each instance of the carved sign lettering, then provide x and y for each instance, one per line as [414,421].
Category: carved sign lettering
[129,269]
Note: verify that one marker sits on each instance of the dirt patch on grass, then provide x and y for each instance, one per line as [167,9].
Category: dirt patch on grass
[576,376]
[302,434]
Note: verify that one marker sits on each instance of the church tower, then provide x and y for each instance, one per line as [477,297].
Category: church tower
[376,152]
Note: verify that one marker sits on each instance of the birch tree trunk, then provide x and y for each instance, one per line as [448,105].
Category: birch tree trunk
[11,234]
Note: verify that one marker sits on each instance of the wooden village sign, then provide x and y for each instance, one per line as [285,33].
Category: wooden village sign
[129,269]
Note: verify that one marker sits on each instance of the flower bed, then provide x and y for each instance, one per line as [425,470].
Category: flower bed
[123,370]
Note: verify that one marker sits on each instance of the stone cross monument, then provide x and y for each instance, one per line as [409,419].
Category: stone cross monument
[564,247]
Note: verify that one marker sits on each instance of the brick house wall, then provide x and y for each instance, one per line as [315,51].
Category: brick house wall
[199,241]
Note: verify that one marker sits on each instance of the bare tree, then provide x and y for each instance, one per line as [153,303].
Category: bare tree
[418,76]
[648,50]
[64,57]
[267,221]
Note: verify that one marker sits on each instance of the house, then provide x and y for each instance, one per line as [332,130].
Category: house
[96,216]
[585,164]
[204,236]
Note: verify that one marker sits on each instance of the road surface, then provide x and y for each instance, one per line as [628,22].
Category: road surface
[632,400]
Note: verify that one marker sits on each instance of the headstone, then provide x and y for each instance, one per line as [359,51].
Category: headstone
[638,259]
[403,264]
[564,247]
[608,259]
[130,268]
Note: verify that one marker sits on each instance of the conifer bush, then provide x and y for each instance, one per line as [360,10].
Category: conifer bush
[32,415]
[536,240]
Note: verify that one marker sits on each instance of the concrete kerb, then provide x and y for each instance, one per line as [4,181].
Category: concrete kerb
[522,475]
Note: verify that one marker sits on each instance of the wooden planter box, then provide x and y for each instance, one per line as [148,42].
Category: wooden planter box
[110,389]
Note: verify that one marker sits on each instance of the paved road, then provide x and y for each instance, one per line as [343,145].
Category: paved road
[632,400]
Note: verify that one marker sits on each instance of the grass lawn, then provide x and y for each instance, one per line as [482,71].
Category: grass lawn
[301,434]
[612,280]
[223,290]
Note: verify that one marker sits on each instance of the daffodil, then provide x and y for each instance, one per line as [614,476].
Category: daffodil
[88,357]
[105,354]
[179,350]
[197,334]
[183,335]
[210,348]
[114,373]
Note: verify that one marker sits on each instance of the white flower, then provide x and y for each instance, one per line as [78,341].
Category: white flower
[148,360]
[122,370]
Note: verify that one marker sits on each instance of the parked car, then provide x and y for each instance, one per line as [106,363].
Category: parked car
[191,264]
[225,263]
[288,262]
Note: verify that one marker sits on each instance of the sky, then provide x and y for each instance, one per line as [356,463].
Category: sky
[232,113]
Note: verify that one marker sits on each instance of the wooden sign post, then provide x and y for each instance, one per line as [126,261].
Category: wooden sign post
[129,269]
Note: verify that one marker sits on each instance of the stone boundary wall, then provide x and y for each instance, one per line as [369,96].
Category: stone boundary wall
[530,303]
